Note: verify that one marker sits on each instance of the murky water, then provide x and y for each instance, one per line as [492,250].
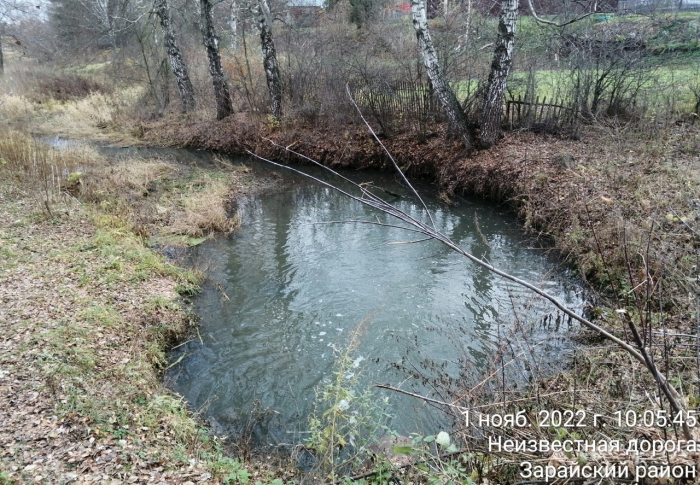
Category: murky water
[288,288]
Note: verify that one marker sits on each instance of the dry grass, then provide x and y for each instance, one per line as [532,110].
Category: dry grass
[99,116]
[16,108]
[204,212]
[154,197]
[71,105]
[40,171]
[161,199]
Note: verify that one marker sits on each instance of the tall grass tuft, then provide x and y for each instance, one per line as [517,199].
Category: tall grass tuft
[41,171]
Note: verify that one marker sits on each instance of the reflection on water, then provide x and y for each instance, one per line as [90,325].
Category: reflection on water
[285,291]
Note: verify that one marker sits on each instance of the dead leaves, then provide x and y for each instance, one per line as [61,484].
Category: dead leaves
[75,383]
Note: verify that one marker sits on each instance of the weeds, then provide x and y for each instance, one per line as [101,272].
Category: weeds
[345,422]
[64,87]
[40,170]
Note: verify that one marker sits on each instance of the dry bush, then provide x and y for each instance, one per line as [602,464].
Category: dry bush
[41,83]
[15,108]
[63,87]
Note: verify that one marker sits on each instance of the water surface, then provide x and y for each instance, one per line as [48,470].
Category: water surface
[289,287]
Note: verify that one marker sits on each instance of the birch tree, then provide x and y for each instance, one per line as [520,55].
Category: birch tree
[272,71]
[177,63]
[439,81]
[233,24]
[211,43]
[492,111]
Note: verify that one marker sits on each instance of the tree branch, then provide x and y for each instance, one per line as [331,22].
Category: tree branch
[540,20]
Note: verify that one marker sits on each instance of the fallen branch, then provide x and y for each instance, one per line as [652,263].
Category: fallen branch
[430,230]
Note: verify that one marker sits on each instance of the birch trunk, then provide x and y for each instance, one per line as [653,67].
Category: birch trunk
[177,64]
[233,25]
[492,110]
[440,83]
[272,71]
[211,43]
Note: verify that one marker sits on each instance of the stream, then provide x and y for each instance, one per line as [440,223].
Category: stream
[285,293]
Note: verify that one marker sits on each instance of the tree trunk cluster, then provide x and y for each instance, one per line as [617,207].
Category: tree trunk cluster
[492,111]
[211,42]
[439,81]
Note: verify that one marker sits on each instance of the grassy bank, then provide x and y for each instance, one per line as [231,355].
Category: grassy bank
[88,311]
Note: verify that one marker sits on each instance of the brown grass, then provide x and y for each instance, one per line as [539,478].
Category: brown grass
[41,171]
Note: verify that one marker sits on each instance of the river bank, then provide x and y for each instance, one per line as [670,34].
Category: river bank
[88,311]
[577,194]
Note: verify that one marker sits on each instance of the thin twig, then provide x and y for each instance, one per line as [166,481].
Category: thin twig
[376,202]
[391,157]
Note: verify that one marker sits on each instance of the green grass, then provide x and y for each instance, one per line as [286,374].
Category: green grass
[100,316]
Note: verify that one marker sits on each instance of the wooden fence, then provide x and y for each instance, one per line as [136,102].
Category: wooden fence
[548,116]
[398,104]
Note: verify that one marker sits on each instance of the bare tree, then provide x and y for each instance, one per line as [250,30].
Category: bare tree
[12,11]
[439,81]
[102,23]
[272,71]
[498,78]
[177,63]
[211,42]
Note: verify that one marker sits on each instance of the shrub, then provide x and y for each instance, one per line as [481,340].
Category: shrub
[64,87]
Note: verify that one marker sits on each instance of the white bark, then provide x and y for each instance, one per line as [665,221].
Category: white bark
[500,70]
[439,81]
[272,71]
[184,85]
[233,24]
[211,43]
